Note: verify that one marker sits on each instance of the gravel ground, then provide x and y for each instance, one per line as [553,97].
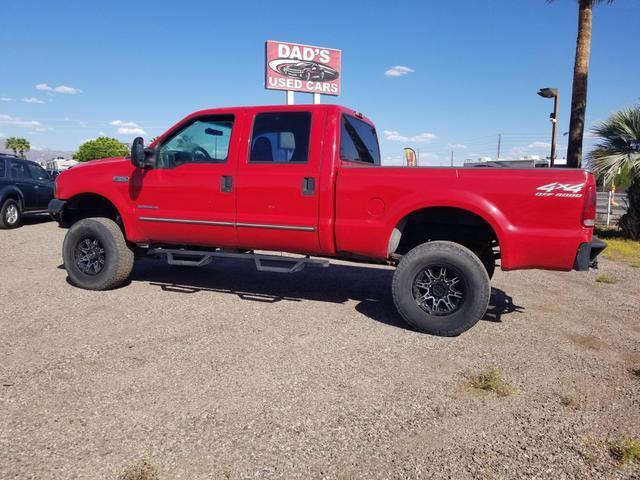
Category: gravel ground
[224,372]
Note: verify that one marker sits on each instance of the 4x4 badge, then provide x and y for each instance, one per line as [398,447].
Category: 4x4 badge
[557,189]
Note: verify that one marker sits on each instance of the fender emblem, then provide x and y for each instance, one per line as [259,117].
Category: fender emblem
[120,179]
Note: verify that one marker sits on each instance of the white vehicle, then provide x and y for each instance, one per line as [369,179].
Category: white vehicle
[60,164]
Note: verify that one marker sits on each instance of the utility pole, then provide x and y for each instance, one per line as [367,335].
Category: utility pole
[452,158]
[499,145]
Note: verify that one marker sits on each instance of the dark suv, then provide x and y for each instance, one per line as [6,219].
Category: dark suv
[25,188]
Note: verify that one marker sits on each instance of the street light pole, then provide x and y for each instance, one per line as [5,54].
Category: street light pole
[554,129]
[555,94]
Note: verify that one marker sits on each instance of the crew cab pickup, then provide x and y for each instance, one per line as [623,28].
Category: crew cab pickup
[307,179]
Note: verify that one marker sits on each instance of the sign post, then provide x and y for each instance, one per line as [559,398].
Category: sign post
[302,68]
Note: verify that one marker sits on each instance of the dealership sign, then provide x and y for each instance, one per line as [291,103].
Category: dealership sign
[302,68]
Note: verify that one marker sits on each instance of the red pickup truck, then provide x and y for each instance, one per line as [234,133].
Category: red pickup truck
[307,179]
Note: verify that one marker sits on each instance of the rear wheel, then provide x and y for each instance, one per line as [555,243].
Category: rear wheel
[441,288]
[10,214]
[96,254]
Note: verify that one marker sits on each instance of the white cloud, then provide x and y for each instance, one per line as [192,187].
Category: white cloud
[457,146]
[18,122]
[31,100]
[538,145]
[398,71]
[128,128]
[59,89]
[131,131]
[395,136]
[5,99]
[120,123]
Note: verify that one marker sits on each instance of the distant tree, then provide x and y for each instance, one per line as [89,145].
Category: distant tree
[618,153]
[101,147]
[580,80]
[18,145]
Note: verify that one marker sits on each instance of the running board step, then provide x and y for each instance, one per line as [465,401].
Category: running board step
[264,263]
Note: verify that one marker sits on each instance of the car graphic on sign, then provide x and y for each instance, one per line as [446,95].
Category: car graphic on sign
[310,71]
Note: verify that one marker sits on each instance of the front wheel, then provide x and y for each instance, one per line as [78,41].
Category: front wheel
[96,254]
[441,288]
[10,214]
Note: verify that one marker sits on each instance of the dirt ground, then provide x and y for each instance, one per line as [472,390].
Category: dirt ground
[224,372]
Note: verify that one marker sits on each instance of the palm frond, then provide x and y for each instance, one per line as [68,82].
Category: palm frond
[619,145]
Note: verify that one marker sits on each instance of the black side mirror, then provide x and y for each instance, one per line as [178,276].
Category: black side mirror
[137,153]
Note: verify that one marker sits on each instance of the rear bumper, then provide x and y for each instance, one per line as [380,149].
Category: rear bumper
[587,256]
[56,209]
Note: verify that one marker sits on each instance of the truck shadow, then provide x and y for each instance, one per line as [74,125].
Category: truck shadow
[370,286]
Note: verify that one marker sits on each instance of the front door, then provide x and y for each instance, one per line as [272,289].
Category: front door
[278,182]
[21,177]
[43,187]
[189,196]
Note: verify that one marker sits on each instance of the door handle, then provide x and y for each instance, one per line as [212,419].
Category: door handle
[308,186]
[226,183]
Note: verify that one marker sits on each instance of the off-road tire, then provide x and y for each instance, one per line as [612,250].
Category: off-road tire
[5,221]
[475,285]
[118,256]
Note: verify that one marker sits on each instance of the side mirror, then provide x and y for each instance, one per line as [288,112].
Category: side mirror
[137,153]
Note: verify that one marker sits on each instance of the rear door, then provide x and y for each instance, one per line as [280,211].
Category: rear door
[21,177]
[278,181]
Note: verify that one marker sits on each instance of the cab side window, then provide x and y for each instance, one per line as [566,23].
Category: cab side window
[19,170]
[3,165]
[203,141]
[358,141]
[280,137]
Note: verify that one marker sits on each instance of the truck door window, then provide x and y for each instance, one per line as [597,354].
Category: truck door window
[2,167]
[203,141]
[358,141]
[281,137]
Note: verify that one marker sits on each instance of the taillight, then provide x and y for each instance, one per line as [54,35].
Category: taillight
[589,207]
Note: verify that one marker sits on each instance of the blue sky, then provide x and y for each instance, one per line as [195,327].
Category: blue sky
[105,67]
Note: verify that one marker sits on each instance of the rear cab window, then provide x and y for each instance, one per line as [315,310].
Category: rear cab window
[3,166]
[280,137]
[358,141]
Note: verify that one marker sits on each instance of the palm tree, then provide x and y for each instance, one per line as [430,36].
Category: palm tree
[23,146]
[11,143]
[580,79]
[619,152]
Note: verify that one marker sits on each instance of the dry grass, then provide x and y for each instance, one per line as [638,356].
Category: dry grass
[628,450]
[620,249]
[490,380]
[142,470]
[606,279]
[569,400]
